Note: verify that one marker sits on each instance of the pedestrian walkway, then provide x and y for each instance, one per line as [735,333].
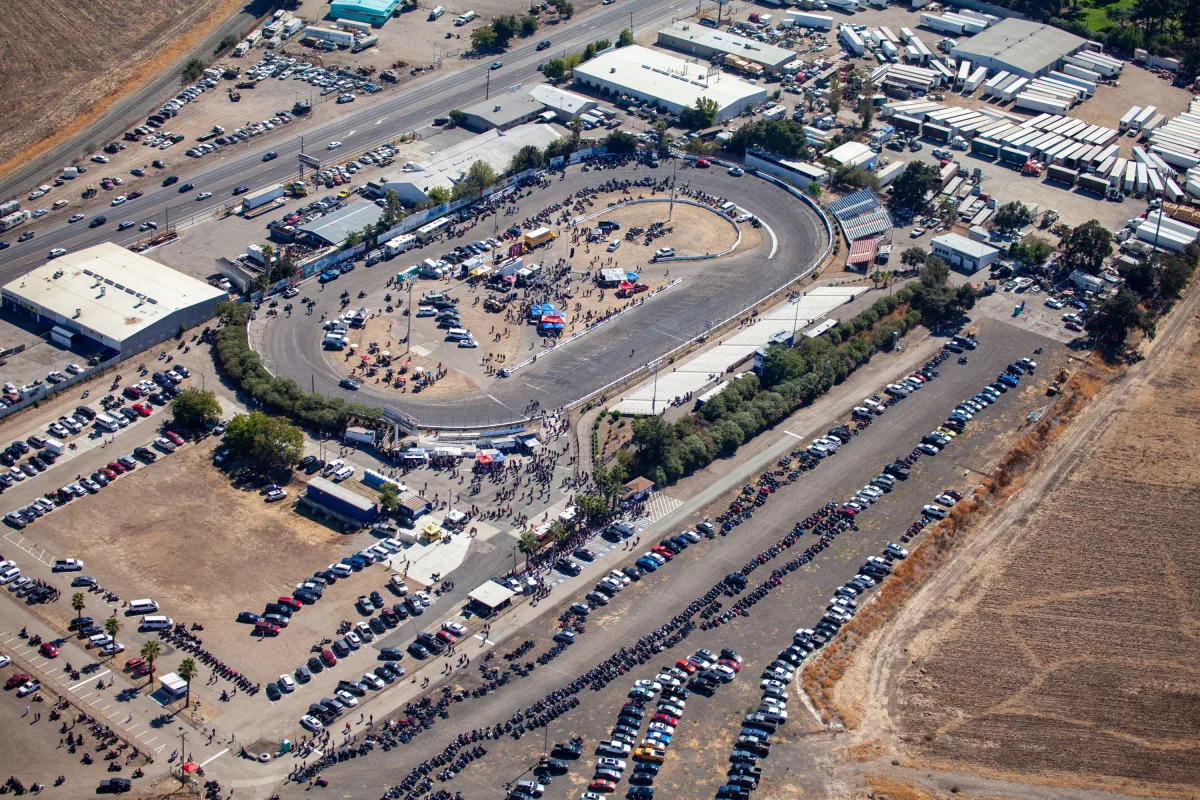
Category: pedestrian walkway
[659,504]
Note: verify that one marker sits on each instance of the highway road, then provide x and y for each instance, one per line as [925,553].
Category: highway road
[372,123]
[793,238]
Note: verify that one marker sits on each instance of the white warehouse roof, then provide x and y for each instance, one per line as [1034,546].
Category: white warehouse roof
[110,290]
[701,41]
[963,245]
[1019,46]
[850,153]
[566,104]
[672,82]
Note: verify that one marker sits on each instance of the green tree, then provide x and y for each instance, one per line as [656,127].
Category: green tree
[527,542]
[555,69]
[784,137]
[699,147]
[528,157]
[479,177]
[194,409]
[456,117]
[1087,247]
[1173,275]
[529,25]
[814,189]
[78,603]
[1140,278]
[913,257]
[1113,320]
[112,626]
[566,9]
[591,506]
[855,177]
[394,209]
[866,105]
[835,94]
[438,195]
[702,115]
[268,441]
[484,39]
[620,142]
[1012,217]
[187,671]
[150,651]
[505,27]
[932,294]
[192,70]
[353,239]
[625,38]
[1032,251]
[911,186]
[389,497]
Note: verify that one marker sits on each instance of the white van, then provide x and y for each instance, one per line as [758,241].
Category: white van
[146,606]
[463,19]
[457,334]
[341,570]
[157,623]
[437,13]
[106,423]
[729,208]
[99,640]
[343,473]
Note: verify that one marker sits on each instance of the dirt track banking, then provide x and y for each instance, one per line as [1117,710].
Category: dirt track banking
[697,756]
[714,292]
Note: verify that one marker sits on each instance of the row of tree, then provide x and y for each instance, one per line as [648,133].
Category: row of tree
[497,35]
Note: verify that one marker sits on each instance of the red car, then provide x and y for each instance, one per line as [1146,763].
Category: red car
[132,392]
[703,163]
[602,785]
[141,670]
[729,662]
[288,600]
[134,663]
[174,437]
[114,466]
[142,409]
[133,195]
[328,658]
[264,628]
[686,666]
[662,551]
[15,680]
[109,473]
[48,650]
[447,637]
[666,718]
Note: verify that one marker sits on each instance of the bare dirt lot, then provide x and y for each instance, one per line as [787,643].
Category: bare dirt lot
[1064,653]
[61,59]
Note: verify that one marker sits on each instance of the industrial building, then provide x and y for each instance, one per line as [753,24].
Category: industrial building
[332,229]
[502,112]
[335,500]
[565,105]
[710,44]
[650,76]
[962,253]
[109,297]
[798,173]
[853,154]
[495,148]
[1024,48]
[376,12]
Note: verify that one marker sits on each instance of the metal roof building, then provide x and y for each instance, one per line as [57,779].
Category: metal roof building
[1024,48]
[332,229]
[671,83]
[708,43]
[563,103]
[502,112]
[107,296]
[494,147]
[375,12]
[964,253]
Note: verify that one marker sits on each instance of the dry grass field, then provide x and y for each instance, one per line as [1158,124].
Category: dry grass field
[60,61]
[1058,645]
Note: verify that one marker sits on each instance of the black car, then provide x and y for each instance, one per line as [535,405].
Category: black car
[114,786]
[418,650]
[97,222]
[170,179]
[431,643]
[273,692]
[80,622]
[145,453]
[584,554]
[303,675]
[187,187]
[391,654]
[315,665]
[567,750]
[269,155]
[568,567]
[240,190]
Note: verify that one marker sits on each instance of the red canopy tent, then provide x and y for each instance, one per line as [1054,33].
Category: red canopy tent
[191,766]
[625,285]
[484,458]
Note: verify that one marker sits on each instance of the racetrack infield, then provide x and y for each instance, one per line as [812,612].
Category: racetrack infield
[1064,654]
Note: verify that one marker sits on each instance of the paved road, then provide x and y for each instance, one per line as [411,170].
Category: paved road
[379,121]
[792,239]
[692,573]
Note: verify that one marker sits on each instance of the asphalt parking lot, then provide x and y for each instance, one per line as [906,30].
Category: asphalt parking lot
[705,737]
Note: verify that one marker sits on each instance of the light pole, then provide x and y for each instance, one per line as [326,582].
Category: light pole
[408,332]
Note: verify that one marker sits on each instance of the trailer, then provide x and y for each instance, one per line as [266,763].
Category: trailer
[942,25]
[964,69]
[1154,123]
[1061,174]
[1141,178]
[1096,62]
[851,40]
[1172,191]
[1093,183]
[890,173]
[1176,158]
[400,244]
[1129,183]
[1011,155]
[1147,113]
[996,80]
[262,197]
[938,133]
[1041,102]
[904,123]
[1129,117]
[341,500]
[1088,87]
[1013,89]
[1082,72]
[985,147]
[943,71]
[1156,183]
[805,19]
[977,77]
[1118,173]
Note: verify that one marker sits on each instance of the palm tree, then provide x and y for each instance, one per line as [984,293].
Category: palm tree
[78,604]
[111,626]
[559,531]
[187,670]
[528,543]
[151,650]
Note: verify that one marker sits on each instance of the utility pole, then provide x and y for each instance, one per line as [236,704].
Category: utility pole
[671,205]
[631,23]
[408,333]
[487,92]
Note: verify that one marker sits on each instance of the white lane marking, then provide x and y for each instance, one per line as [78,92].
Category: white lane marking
[380,120]
[214,758]
[159,749]
[774,241]
[798,436]
[351,133]
[88,680]
[485,641]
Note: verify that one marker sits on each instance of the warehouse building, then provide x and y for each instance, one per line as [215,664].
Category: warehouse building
[710,44]
[962,253]
[565,105]
[1024,48]
[376,12]
[495,148]
[798,173]
[332,229]
[650,76]
[110,297]
[502,112]
[853,154]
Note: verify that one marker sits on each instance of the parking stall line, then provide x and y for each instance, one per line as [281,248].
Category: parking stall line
[132,727]
[159,749]
[86,681]
[214,758]
[110,716]
[106,708]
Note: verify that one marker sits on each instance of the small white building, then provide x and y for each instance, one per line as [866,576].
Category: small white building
[565,105]
[853,154]
[962,253]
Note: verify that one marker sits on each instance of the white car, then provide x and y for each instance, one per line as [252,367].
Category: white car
[424,598]
[99,159]
[614,764]
[333,145]
[1054,303]
[118,200]
[664,252]
[737,172]
[4,661]
[934,511]
[652,686]
[455,628]
[56,252]
[204,195]
[468,343]
[346,699]
[286,683]
[311,724]
[372,680]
